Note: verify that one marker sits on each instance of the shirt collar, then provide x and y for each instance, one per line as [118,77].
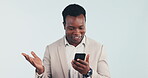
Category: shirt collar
[67,44]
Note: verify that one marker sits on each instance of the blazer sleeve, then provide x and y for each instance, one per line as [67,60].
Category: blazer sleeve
[47,65]
[102,70]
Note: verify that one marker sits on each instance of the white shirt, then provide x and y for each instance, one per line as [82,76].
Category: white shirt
[70,53]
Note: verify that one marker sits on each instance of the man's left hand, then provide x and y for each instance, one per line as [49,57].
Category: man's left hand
[82,66]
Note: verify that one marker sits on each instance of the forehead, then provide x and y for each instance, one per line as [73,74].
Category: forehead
[75,20]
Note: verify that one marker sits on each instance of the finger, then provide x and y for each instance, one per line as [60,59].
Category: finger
[82,62]
[78,64]
[25,55]
[80,69]
[73,65]
[34,55]
[87,58]
[77,67]
[31,61]
[28,58]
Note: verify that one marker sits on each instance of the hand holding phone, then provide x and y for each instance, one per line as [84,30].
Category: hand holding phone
[80,65]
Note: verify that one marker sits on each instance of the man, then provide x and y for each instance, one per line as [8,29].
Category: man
[58,59]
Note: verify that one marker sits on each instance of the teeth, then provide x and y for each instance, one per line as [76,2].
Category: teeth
[76,37]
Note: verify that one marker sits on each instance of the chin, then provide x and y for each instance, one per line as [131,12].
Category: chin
[77,41]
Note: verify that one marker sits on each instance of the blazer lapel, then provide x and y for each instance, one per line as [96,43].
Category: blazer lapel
[86,49]
[62,55]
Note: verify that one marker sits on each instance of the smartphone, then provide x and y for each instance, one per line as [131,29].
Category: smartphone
[79,56]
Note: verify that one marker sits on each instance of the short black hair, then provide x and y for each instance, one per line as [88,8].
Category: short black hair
[73,10]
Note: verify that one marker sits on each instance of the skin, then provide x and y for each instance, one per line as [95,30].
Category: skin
[82,66]
[75,31]
[35,61]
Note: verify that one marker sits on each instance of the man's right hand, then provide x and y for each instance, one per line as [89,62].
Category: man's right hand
[35,61]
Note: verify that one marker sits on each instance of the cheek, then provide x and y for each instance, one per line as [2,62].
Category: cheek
[68,32]
[83,32]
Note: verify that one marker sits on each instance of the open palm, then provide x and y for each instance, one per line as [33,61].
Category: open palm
[35,60]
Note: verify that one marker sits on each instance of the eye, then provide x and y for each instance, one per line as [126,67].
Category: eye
[71,28]
[81,28]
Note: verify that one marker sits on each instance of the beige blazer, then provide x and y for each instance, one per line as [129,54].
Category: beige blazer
[56,66]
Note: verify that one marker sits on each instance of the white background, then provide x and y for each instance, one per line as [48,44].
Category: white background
[30,25]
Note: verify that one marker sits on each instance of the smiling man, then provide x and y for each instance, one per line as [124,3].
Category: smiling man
[58,59]
[75,29]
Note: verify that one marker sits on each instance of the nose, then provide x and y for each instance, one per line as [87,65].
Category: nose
[77,31]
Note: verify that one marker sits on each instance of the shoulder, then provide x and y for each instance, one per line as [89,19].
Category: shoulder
[92,42]
[57,43]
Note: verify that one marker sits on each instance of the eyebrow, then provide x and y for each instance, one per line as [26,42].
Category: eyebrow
[74,26]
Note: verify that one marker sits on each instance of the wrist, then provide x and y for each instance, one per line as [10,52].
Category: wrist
[89,73]
[40,71]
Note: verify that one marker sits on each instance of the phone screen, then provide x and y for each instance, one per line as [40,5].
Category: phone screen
[79,56]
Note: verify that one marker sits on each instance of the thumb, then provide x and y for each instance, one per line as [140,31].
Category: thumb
[87,58]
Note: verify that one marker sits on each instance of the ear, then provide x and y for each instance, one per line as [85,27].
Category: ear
[64,25]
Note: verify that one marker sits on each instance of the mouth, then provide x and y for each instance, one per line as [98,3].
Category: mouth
[77,37]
